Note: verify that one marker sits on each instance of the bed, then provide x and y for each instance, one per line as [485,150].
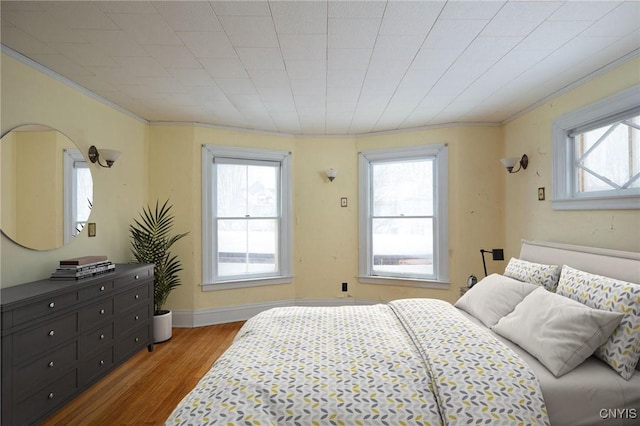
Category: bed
[426,361]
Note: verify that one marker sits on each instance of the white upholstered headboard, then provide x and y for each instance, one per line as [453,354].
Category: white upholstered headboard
[621,265]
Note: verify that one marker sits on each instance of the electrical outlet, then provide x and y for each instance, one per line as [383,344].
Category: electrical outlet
[344,286]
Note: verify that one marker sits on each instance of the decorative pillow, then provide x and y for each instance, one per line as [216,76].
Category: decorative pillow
[560,332]
[494,297]
[622,350]
[534,273]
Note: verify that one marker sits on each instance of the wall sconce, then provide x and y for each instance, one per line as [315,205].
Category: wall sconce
[109,155]
[331,174]
[498,254]
[509,163]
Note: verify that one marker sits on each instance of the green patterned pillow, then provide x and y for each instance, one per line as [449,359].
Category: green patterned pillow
[534,273]
[622,350]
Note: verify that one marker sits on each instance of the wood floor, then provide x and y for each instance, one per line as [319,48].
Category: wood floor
[145,389]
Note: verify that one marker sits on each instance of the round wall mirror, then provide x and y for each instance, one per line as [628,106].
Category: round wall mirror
[47,188]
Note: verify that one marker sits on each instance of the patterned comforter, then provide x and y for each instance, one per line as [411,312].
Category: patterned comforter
[412,361]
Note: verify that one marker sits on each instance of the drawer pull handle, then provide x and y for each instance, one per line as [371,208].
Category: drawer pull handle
[137,318]
[137,277]
[137,339]
[101,288]
[101,336]
[137,296]
[52,305]
[51,333]
[101,311]
[50,396]
[101,362]
[50,365]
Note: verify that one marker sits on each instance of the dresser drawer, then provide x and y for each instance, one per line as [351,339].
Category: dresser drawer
[96,312]
[47,306]
[99,338]
[96,365]
[96,290]
[45,369]
[132,319]
[132,297]
[133,341]
[139,275]
[44,337]
[46,399]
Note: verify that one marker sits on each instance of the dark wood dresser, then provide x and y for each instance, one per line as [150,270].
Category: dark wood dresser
[59,337]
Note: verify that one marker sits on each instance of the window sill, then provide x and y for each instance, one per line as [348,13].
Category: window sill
[597,203]
[406,282]
[228,285]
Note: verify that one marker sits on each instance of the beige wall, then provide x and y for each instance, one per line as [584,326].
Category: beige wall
[30,97]
[487,207]
[528,218]
[325,234]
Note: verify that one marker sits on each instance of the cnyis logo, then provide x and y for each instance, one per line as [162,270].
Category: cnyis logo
[618,413]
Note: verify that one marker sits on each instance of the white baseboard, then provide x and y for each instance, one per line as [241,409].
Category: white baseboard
[211,316]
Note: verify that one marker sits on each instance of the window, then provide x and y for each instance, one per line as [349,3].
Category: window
[597,155]
[246,210]
[78,193]
[403,215]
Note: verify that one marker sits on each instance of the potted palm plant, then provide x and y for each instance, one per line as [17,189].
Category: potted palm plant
[151,241]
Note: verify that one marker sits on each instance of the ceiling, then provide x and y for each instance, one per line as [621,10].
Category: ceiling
[324,67]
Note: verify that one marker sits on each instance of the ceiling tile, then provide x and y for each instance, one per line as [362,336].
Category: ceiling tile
[621,21]
[191,76]
[249,31]
[349,58]
[84,54]
[345,78]
[241,8]
[471,9]
[169,56]
[261,58]
[410,17]
[137,7]
[356,9]
[39,24]
[299,17]
[80,15]
[308,87]
[306,70]
[146,28]
[142,66]
[583,10]
[236,86]
[114,43]
[269,78]
[352,33]
[188,15]
[303,47]
[208,44]
[552,35]
[20,41]
[224,67]
[453,34]
[520,18]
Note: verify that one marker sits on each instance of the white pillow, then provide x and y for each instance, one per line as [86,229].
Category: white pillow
[494,297]
[534,273]
[560,332]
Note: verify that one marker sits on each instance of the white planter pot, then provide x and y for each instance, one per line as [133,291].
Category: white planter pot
[162,327]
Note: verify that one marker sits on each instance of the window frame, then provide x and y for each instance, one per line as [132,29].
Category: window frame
[210,279]
[72,160]
[439,154]
[598,114]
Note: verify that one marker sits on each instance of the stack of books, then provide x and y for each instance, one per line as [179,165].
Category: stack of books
[82,267]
